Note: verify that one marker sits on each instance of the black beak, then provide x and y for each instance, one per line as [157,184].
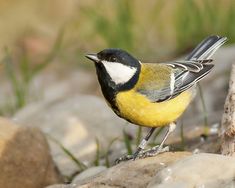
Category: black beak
[92,57]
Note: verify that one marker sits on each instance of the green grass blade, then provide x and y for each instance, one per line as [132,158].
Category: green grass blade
[127,142]
[80,164]
[16,84]
[182,136]
[107,162]
[205,115]
[97,156]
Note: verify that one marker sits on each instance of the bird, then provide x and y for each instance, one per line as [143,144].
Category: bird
[152,95]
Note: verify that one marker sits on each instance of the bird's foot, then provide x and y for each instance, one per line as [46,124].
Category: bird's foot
[154,151]
[143,154]
[124,158]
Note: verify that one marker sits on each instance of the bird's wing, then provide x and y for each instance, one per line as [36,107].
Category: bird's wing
[160,82]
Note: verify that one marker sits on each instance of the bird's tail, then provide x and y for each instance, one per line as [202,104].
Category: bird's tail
[206,48]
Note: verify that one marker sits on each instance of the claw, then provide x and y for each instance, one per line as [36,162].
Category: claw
[123,158]
[143,154]
[136,154]
[155,151]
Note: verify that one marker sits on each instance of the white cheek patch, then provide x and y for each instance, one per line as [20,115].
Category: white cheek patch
[118,72]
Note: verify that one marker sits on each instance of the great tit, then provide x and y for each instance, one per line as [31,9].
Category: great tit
[152,94]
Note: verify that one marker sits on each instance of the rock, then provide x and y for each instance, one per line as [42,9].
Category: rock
[88,174]
[62,186]
[199,170]
[167,170]
[76,122]
[25,160]
[129,174]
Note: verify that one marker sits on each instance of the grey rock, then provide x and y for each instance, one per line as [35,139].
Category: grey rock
[131,174]
[134,174]
[167,170]
[62,186]
[199,170]
[88,174]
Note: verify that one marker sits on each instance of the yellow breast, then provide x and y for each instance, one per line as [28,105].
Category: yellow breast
[139,110]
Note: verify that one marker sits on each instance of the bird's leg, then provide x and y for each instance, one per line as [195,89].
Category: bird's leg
[159,149]
[152,151]
[139,149]
[143,143]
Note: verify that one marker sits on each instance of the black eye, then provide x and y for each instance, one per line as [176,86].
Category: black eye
[113,59]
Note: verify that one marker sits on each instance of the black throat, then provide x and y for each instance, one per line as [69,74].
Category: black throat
[109,88]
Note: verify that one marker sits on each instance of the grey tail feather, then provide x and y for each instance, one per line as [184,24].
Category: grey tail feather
[206,48]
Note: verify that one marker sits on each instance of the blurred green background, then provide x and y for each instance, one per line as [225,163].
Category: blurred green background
[37,33]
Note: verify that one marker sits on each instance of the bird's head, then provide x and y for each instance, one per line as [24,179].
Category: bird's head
[115,64]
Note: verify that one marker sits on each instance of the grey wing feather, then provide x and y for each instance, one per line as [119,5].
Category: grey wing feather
[187,74]
[190,65]
[189,78]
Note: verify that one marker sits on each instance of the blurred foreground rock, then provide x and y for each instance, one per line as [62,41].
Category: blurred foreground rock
[76,122]
[167,170]
[25,160]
